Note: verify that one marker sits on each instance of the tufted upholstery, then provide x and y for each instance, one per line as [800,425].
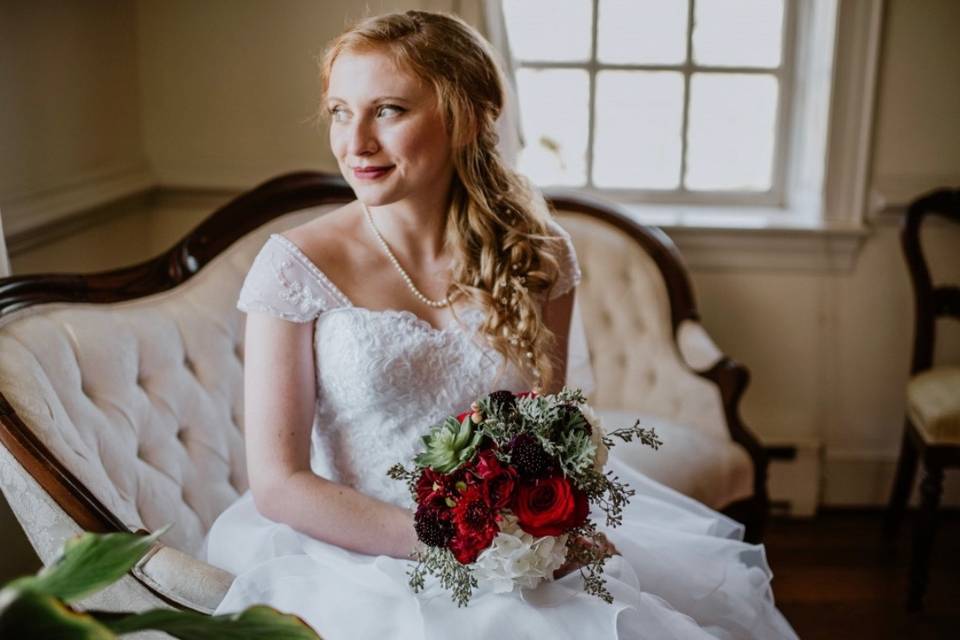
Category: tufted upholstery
[141,401]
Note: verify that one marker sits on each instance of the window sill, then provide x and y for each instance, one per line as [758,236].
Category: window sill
[767,238]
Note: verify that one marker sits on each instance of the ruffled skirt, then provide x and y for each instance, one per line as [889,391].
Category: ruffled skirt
[684,572]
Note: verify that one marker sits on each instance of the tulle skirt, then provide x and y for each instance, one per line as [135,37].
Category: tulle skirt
[683,572]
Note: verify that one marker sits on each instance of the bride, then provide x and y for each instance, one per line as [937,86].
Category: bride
[445,280]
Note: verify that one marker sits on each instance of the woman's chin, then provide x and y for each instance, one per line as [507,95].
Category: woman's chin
[372,194]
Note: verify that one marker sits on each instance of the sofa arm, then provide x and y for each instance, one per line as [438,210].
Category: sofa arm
[696,347]
[182,579]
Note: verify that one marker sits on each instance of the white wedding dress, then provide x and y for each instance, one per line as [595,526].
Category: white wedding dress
[383,377]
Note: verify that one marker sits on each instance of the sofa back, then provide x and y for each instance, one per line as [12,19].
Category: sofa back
[634,345]
[141,401]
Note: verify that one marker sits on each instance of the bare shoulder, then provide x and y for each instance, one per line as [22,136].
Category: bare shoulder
[329,240]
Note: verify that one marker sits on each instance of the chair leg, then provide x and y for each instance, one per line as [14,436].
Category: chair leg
[930,489]
[902,484]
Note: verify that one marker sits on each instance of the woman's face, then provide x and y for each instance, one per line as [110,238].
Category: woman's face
[386,131]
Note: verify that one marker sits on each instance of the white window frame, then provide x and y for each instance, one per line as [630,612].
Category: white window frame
[820,223]
[774,196]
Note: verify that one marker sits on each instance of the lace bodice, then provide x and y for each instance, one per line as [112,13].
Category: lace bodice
[383,376]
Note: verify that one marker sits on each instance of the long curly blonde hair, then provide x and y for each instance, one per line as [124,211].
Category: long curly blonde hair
[505,260]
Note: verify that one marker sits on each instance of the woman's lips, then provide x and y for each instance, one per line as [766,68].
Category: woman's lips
[371,173]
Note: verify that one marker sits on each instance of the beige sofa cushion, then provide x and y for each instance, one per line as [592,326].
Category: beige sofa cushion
[715,471]
[933,404]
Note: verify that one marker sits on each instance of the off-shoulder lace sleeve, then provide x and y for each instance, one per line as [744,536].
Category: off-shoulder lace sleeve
[284,283]
[569,267]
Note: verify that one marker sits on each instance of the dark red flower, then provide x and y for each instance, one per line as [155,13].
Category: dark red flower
[475,522]
[433,525]
[549,506]
[498,481]
[433,488]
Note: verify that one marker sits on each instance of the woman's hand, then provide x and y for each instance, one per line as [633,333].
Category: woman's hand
[600,542]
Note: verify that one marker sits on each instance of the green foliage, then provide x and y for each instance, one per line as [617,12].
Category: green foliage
[646,437]
[31,614]
[38,606]
[454,577]
[255,622]
[88,563]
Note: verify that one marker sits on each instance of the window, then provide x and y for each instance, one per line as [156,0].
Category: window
[663,101]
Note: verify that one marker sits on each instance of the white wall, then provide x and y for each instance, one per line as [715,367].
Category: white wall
[70,120]
[918,108]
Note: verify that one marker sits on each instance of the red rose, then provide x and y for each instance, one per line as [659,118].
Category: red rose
[476,525]
[549,506]
[464,415]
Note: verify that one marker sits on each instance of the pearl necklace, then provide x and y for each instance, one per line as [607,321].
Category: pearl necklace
[436,304]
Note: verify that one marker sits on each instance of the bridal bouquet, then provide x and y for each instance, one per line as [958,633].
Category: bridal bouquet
[504,492]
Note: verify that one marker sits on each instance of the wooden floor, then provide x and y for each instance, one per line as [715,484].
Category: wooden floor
[836,577]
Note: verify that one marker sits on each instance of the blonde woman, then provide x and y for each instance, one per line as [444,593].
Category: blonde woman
[445,280]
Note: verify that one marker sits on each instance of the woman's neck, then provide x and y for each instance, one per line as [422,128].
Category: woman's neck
[415,230]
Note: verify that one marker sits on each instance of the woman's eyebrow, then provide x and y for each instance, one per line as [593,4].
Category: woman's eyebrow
[378,99]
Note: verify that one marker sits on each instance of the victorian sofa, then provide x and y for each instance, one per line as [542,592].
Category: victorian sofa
[121,403]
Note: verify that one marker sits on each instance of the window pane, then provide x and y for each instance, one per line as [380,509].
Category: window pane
[642,31]
[639,119]
[731,131]
[743,33]
[554,107]
[547,30]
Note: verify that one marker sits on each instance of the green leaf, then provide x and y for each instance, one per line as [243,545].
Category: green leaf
[89,562]
[255,622]
[30,614]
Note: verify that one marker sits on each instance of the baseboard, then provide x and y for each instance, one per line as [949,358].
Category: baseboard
[865,478]
[794,476]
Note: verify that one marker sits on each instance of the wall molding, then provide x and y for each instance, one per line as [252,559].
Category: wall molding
[853,106]
[28,210]
[823,250]
[707,241]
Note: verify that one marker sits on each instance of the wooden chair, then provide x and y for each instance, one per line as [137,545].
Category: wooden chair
[932,427]
[121,403]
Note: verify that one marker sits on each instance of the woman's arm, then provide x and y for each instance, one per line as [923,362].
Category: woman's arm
[280,399]
[556,315]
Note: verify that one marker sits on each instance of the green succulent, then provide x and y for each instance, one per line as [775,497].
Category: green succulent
[449,445]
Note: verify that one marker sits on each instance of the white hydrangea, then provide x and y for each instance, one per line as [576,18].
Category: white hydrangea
[516,558]
[597,432]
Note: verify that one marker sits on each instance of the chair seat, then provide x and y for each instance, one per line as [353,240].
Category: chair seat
[933,404]
[716,471]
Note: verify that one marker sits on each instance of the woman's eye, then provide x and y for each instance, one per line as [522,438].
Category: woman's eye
[391,109]
[338,114]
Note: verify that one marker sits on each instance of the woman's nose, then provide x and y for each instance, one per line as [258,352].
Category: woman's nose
[363,140]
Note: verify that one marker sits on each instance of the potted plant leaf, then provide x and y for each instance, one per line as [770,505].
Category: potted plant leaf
[39,606]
